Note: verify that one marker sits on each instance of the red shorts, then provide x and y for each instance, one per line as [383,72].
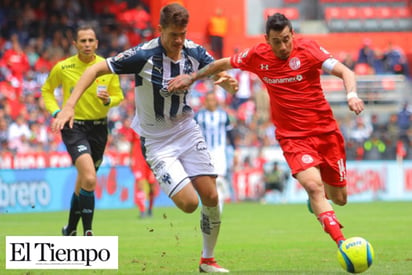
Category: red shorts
[142,171]
[139,166]
[325,151]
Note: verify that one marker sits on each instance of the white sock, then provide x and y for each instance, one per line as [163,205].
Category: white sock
[210,225]
[220,185]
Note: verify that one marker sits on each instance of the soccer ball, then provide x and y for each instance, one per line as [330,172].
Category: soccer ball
[355,255]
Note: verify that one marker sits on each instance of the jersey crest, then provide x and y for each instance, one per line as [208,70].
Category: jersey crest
[294,63]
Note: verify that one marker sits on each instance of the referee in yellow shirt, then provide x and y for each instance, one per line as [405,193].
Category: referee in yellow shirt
[86,141]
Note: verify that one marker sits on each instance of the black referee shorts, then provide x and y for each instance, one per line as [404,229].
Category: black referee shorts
[86,137]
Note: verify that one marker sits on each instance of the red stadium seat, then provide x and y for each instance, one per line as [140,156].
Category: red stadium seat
[362,69]
[402,12]
[350,12]
[333,13]
[290,12]
[384,12]
[367,12]
[286,2]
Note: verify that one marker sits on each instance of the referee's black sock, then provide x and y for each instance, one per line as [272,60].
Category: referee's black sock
[86,203]
[74,214]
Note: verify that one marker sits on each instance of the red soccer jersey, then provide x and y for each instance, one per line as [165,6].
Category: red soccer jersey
[298,105]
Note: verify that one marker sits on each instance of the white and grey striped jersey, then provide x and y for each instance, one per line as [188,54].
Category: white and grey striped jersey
[215,126]
[158,112]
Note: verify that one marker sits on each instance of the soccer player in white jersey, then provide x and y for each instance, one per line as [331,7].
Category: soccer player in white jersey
[218,131]
[173,142]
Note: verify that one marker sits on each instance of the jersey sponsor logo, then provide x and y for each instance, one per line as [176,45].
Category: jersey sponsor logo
[264,67]
[307,159]
[69,66]
[294,63]
[81,148]
[283,80]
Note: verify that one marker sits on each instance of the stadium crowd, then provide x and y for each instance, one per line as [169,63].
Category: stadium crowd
[35,34]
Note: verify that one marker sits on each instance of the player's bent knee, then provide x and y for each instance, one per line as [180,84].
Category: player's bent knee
[210,199]
[314,189]
[187,205]
[88,183]
[188,208]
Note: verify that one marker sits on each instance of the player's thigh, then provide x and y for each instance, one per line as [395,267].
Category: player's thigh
[97,137]
[75,140]
[310,179]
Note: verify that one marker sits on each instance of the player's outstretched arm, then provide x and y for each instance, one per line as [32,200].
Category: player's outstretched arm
[183,82]
[87,78]
[355,104]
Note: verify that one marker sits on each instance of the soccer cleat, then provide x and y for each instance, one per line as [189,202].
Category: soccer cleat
[340,243]
[209,265]
[142,215]
[65,233]
[88,233]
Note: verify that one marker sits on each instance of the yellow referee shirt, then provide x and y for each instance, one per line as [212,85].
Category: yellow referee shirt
[65,74]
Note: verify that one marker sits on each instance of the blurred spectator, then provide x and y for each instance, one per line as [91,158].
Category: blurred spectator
[31,53]
[275,179]
[374,147]
[245,87]
[16,62]
[366,54]
[396,61]
[361,130]
[217,30]
[379,66]
[39,137]
[391,135]
[4,126]
[349,61]
[404,123]
[19,135]
[354,150]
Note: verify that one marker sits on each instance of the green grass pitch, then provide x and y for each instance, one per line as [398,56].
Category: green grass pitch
[254,238]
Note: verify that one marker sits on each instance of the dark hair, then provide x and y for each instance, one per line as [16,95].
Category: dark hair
[174,14]
[277,22]
[82,28]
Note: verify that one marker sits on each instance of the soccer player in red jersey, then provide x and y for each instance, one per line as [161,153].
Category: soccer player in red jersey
[142,174]
[306,129]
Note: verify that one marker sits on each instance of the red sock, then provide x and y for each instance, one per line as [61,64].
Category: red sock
[331,225]
[140,200]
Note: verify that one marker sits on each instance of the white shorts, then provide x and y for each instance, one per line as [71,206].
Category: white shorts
[219,161]
[175,160]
